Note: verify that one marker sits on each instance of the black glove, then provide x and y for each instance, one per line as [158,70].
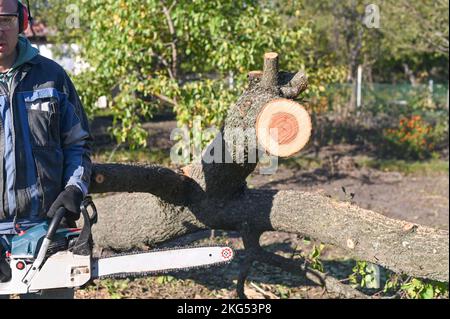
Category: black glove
[71,199]
[5,270]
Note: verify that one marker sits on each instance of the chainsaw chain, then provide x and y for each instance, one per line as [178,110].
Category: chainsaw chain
[165,271]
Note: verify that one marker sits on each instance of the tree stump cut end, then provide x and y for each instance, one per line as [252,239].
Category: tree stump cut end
[283,127]
[271,55]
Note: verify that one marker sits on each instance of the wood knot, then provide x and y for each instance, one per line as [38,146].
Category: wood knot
[99,178]
[350,244]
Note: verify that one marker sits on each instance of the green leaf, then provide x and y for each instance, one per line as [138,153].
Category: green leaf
[428,292]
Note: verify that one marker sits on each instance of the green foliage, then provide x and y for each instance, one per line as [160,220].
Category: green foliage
[193,56]
[401,285]
[314,257]
[381,119]
[417,289]
[164,279]
[413,288]
[202,105]
[145,55]
[282,291]
[362,274]
[439,132]
[410,45]
[115,288]
[403,99]
[426,23]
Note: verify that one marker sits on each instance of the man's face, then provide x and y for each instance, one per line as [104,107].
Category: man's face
[8,32]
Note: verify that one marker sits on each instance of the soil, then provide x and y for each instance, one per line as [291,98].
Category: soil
[419,199]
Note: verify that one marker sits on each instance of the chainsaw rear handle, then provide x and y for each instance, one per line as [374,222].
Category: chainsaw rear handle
[54,224]
[84,244]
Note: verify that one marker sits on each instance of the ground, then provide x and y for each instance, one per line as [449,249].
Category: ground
[416,192]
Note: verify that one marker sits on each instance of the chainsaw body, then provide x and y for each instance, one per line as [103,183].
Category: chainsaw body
[61,270]
[46,257]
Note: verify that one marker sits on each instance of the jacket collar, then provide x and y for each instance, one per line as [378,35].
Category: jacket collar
[35,60]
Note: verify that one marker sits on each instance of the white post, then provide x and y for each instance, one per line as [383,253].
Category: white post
[231,79]
[430,95]
[358,87]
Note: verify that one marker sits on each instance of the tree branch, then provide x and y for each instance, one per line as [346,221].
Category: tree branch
[173,34]
[159,181]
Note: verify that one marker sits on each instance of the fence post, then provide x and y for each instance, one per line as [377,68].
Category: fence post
[358,87]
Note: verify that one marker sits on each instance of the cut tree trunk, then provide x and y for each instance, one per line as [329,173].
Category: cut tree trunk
[234,153]
[212,194]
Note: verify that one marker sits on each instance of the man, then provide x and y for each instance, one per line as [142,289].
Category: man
[44,134]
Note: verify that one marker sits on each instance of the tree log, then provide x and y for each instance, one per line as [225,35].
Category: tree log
[212,194]
[142,220]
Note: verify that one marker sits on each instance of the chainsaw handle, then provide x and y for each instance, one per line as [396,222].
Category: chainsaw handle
[83,245]
[54,224]
[52,227]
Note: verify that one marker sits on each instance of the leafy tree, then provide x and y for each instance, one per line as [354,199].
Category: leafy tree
[420,26]
[190,55]
[411,42]
[415,35]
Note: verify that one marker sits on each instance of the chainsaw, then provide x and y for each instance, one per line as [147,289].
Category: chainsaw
[46,256]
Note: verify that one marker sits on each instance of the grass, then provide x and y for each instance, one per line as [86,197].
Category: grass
[432,166]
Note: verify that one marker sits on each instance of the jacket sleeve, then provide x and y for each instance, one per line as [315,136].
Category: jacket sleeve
[76,139]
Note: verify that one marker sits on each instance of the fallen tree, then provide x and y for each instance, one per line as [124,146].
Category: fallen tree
[212,194]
